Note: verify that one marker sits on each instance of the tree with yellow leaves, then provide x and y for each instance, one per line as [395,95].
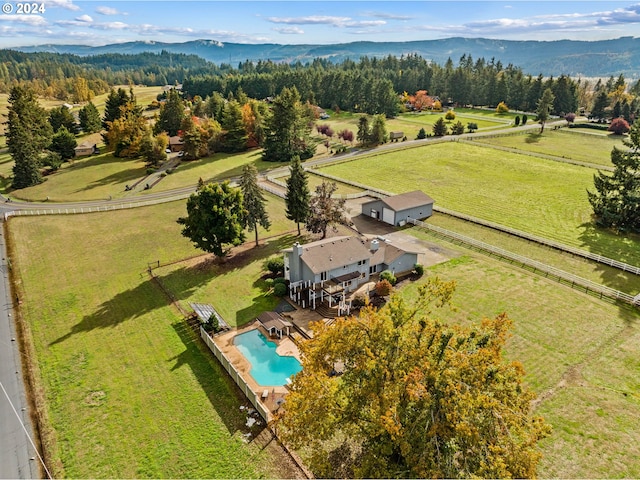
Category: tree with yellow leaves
[415,398]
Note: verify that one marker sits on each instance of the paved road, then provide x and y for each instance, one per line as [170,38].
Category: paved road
[16,447]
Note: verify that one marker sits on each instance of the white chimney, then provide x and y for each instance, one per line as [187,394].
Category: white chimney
[374,245]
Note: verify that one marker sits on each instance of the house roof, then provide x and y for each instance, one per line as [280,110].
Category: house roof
[404,201]
[331,253]
[175,140]
[84,145]
[271,320]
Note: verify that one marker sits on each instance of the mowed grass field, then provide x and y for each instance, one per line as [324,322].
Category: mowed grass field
[543,197]
[129,391]
[580,355]
[579,146]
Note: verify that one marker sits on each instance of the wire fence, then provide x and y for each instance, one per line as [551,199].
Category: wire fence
[537,267]
[542,241]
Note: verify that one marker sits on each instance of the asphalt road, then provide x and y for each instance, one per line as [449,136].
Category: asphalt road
[16,432]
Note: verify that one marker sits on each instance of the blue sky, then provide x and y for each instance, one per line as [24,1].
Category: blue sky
[99,22]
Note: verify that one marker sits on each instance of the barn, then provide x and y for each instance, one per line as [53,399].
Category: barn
[396,209]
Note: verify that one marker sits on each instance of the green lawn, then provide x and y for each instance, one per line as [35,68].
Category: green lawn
[129,391]
[580,352]
[543,197]
[583,147]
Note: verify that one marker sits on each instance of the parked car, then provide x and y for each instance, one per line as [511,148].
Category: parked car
[168,150]
[324,116]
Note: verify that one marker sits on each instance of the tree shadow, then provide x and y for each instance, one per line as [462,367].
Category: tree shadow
[135,303]
[533,137]
[223,394]
[125,176]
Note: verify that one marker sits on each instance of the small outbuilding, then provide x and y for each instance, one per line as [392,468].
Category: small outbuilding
[85,149]
[396,209]
[275,324]
[176,144]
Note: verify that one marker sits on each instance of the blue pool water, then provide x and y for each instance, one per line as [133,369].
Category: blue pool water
[267,367]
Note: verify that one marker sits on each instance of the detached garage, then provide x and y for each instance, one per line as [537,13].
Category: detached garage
[395,210]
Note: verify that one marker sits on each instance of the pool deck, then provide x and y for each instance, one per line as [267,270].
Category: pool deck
[285,347]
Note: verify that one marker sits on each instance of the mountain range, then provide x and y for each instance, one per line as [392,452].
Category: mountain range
[601,58]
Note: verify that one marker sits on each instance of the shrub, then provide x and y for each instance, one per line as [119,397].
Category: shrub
[450,115]
[388,276]
[150,170]
[275,265]
[619,126]
[502,108]
[517,120]
[419,269]
[570,117]
[359,301]
[421,134]
[279,289]
[524,119]
[383,288]
[278,280]
[472,127]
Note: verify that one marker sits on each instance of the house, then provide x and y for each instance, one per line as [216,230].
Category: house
[396,209]
[86,148]
[176,144]
[338,265]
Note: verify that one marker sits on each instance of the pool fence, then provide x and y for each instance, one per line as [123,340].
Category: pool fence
[236,376]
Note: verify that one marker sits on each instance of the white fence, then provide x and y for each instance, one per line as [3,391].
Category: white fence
[573,280]
[241,382]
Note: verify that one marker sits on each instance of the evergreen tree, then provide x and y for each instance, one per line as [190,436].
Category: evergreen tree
[288,129]
[28,134]
[171,114]
[616,201]
[422,134]
[62,117]
[324,210]
[545,104]
[254,202]
[298,195]
[439,128]
[364,131]
[599,105]
[234,137]
[115,100]
[215,218]
[378,134]
[64,143]
[89,118]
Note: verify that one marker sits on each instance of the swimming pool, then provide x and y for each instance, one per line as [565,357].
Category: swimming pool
[267,367]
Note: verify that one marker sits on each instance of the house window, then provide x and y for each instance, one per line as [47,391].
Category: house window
[363,275]
[323,276]
[362,262]
[373,269]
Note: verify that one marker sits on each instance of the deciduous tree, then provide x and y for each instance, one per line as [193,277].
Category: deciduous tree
[298,195]
[545,104]
[325,211]
[417,398]
[215,218]
[616,201]
[619,126]
[254,202]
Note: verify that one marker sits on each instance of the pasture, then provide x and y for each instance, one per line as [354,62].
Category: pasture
[539,196]
[129,392]
[571,144]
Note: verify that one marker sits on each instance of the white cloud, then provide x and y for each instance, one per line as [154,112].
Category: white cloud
[67,4]
[84,19]
[341,22]
[31,20]
[107,11]
[289,30]
[388,16]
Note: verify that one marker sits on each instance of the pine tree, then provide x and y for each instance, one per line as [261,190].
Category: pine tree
[62,117]
[235,134]
[115,100]
[616,201]
[89,118]
[254,202]
[439,128]
[171,114]
[28,134]
[298,195]
[599,105]
[64,143]
[364,133]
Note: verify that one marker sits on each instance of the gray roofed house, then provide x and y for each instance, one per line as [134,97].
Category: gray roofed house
[396,209]
[345,262]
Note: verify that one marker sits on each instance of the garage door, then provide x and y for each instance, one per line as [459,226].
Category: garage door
[388,215]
